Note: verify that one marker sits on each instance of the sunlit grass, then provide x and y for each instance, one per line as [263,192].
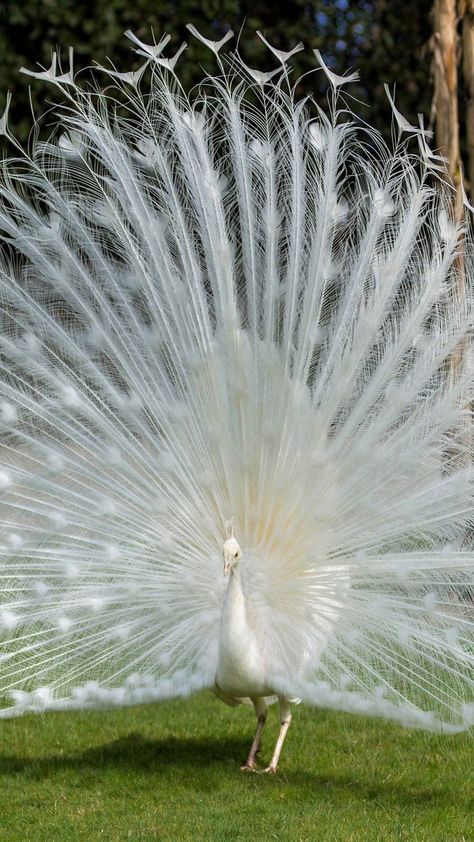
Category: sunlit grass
[171,772]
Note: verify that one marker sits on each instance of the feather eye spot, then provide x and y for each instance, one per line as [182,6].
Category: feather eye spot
[5,480]
[8,619]
[8,413]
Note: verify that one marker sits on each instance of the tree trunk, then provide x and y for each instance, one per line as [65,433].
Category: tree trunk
[445,49]
[445,44]
[467,14]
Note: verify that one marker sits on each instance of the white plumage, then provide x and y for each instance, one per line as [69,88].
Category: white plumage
[232,305]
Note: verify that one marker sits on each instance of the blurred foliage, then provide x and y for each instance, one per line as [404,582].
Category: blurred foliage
[387,40]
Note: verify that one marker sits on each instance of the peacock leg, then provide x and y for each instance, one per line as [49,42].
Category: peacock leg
[285,719]
[261,712]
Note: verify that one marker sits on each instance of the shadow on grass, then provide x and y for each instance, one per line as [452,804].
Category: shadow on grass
[135,752]
[191,756]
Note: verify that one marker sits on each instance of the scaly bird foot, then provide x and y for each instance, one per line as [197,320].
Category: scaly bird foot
[271,770]
[249,767]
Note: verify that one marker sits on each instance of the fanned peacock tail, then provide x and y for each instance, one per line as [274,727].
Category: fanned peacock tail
[232,304]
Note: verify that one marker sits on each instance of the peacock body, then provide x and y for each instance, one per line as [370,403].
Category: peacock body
[233,324]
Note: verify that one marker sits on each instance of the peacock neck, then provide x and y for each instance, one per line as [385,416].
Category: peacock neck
[240,668]
[234,614]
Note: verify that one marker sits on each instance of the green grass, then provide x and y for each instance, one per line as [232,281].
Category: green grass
[171,772]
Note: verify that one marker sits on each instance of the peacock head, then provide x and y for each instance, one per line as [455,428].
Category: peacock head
[232,551]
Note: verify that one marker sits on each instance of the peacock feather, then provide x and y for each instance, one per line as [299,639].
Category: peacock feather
[233,305]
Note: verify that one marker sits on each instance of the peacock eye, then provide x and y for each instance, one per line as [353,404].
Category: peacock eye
[235,555]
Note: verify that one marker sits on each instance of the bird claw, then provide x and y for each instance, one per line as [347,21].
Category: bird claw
[271,770]
[249,767]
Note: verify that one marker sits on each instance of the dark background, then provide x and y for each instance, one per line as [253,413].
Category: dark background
[386,40]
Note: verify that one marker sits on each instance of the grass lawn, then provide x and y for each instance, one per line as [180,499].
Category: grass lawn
[171,772]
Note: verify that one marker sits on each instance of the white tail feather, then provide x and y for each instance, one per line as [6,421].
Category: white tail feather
[233,308]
